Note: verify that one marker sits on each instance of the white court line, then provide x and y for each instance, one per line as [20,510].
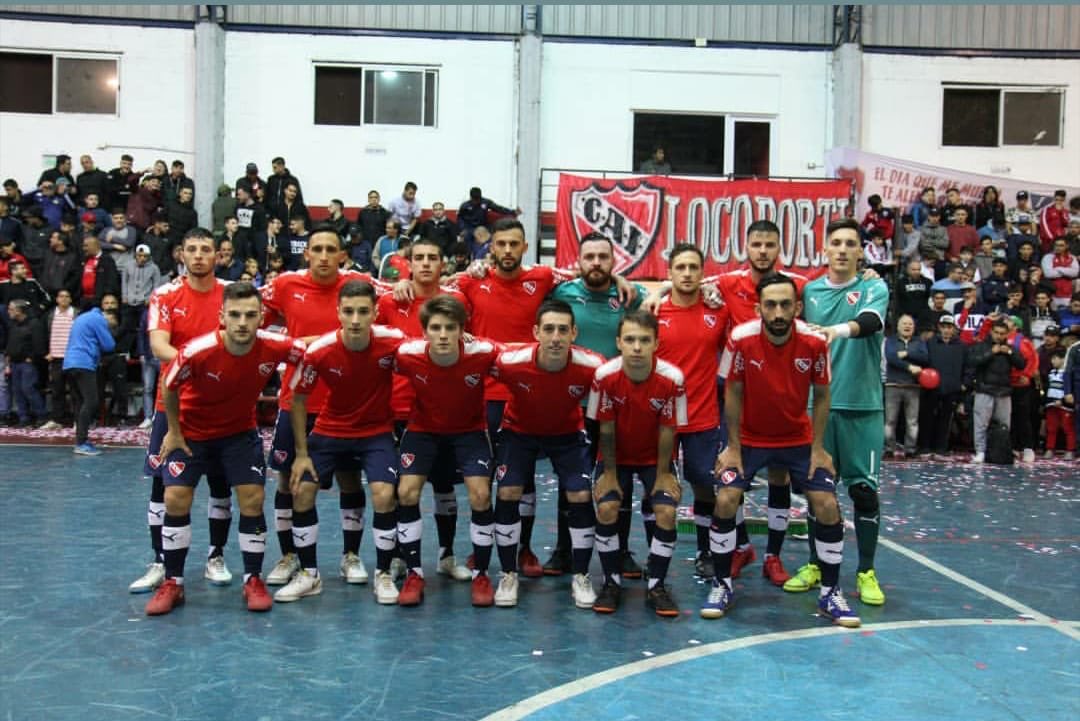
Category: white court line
[556,695]
[990,593]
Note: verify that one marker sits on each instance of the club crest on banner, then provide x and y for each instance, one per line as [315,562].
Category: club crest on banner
[630,216]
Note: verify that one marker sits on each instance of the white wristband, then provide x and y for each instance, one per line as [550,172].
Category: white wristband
[842,330]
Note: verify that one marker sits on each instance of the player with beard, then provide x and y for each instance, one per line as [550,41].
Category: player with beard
[425,263]
[179,312]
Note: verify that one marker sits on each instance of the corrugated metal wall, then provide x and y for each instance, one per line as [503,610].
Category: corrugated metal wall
[989,27]
[803,24]
[500,19]
[172,13]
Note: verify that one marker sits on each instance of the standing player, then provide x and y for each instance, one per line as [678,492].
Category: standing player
[770,366]
[210,394]
[179,312]
[547,381]
[447,375]
[691,336]
[639,402]
[307,300]
[353,433]
[850,311]
[426,262]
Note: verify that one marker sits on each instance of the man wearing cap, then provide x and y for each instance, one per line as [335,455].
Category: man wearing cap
[252,181]
[1053,221]
[1051,342]
[1061,268]
[948,356]
[1023,209]
[137,282]
[474,212]
[970,314]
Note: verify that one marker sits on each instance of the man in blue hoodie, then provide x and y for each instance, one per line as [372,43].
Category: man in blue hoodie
[90,338]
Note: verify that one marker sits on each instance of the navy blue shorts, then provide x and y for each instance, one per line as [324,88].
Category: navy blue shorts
[794,459]
[237,458]
[626,476]
[152,466]
[699,452]
[444,474]
[374,455]
[516,454]
[471,453]
[283,447]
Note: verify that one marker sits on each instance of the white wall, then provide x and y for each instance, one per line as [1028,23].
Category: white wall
[156,100]
[902,105]
[590,93]
[269,111]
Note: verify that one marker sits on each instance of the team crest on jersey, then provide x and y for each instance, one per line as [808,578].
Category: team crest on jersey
[710,321]
[576,391]
[176,468]
[728,477]
[386,362]
[266,368]
[472,380]
[853,297]
[280,456]
[529,287]
[802,364]
[613,303]
[656,404]
[627,212]
[500,472]
[407,459]
[155,460]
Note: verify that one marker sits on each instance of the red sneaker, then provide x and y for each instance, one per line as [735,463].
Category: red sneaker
[482,592]
[168,596]
[529,564]
[742,558]
[412,591]
[774,571]
[258,599]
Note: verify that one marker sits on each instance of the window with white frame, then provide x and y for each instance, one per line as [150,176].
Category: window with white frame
[991,116]
[376,95]
[48,83]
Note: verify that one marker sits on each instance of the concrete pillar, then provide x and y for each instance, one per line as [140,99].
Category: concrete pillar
[847,96]
[209,112]
[527,157]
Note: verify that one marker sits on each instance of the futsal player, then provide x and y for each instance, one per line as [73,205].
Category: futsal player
[210,393]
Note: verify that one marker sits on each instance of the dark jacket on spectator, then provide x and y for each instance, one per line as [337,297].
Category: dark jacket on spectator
[10,229]
[285,212]
[275,190]
[141,207]
[121,187]
[896,368]
[29,290]
[950,361]
[35,242]
[442,232]
[912,295]
[182,218]
[223,207]
[161,247]
[372,222]
[992,369]
[94,181]
[170,187]
[995,291]
[25,339]
[474,213]
[61,271]
[252,222]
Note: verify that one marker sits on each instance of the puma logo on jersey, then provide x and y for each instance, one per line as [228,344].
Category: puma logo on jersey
[182,312]
[168,536]
[529,287]
[302,297]
[257,541]
[525,387]
[215,376]
[472,380]
[485,464]
[485,287]
[422,379]
[336,371]
[158,514]
[403,311]
[299,536]
[759,364]
[502,534]
[256,469]
[666,322]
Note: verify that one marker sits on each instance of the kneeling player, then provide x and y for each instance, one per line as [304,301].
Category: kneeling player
[770,365]
[210,395]
[447,375]
[353,432]
[639,402]
[547,381]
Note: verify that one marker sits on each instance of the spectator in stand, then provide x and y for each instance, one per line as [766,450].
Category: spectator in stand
[396,266]
[961,235]
[1024,261]
[336,218]
[953,202]
[24,289]
[953,286]
[181,214]
[123,181]
[657,163]
[1016,306]
[60,202]
[151,369]
[227,266]
[1051,342]
[908,239]
[992,361]
[921,209]
[934,242]
[1022,210]
[62,169]
[280,179]
[91,203]
[459,259]
[176,181]
[290,205]
[1053,221]
[925,333]
[120,238]
[88,224]
[158,241]
[25,349]
[1025,390]
[359,250]
[159,171]
[372,221]
[931,317]
[62,266]
[1024,230]
[293,251]
[250,216]
[948,356]
[144,202]
[913,291]
[984,258]
[905,358]
[35,239]
[388,243]
[1035,283]
[254,273]
[970,316]
[224,206]
[9,256]
[1072,235]
[878,217]
[967,264]
[100,276]
[137,281]
[112,371]
[1062,269]
[268,241]
[91,337]
[255,185]
[438,228]
[14,196]
[10,227]
[878,254]
[405,209]
[91,180]
[475,212]
[1059,416]
[481,244]
[1070,317]
[1072,384]
[58,324]
[989,209]
[996,284]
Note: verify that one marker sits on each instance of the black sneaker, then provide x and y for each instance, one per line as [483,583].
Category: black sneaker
[659,600]
[558,564]
[607,601]
[630,567]
[703,565]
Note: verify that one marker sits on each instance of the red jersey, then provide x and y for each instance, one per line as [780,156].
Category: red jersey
[638,409]
[505,309]
[776,382]
[738,290]
[690,339]
[308,309]
[543,403]
[405,316]
[218,390]
[184,313]
[449,399]
[358,404]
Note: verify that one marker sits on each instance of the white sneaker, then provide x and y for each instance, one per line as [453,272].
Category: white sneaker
[147,423]
[978,458]
[1068,456]
[581,589]
[506,595]
[398,569]
[49,426]
[154,576]
[302,584]
[284,570]
[449,567]
[386,593]
[1029,455]
[217,572]
[352,569]
[1049,455]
